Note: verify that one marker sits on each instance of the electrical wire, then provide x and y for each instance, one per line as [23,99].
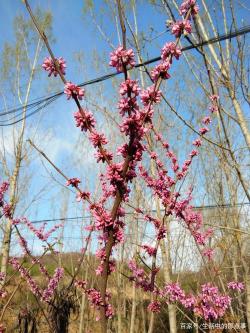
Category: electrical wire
[148,211]
[40,103]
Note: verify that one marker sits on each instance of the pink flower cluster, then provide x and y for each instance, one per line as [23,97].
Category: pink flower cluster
[52,285]
[73,182]
[3,292]
[81,196]
[3,189]
[26,251]
[95,299]
[194,223]
[150,96]
[235,285]
[72,90]
[162,184]
[169,51]
[97,139]
[214,107]
[85,120]
[101,255]
[6,207]
[139,277]
[181,27]
[210,304]
[207,120]
[173,292]
[121,58]
[40,232]
[50,66]
[154,306]
[189,6]
[26,275]
[208,253]
[7,211]
[151,251]
[161,71]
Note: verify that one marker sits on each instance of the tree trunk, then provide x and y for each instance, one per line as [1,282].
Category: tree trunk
[133,311]
[167,279]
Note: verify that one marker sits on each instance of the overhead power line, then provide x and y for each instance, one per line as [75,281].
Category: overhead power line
[146,212]
[40,103]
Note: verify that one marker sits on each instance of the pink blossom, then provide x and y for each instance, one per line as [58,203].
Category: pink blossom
[121,58]
[94,297]
[25,274]
[129,87]
[150,95]
[40,232]
[53,229]
[109,312]
[213,108]
[2,276]
[53,283]
[112,266]
[82,196]
[139,276]
[97,139]
[70,89]
[3,293]
[73,182]
[84,120]
[50,67]
[235,285]
[101,216]
[181,27]
[154,306]
[103,156]
[169,51]
[127,105]
[210,304]
[174,292]
[81,284]
[188,301]
[197,142]
[206,120]
[208,253]
[114,173]
[131,124]
[193,153]
[161,70]
[165,145]
[189,5]
[15,221]
[3,189]
[151,251]
[203,130]
[7,210]
[214,98]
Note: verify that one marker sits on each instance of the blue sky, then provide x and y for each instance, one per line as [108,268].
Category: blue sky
[75,33]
